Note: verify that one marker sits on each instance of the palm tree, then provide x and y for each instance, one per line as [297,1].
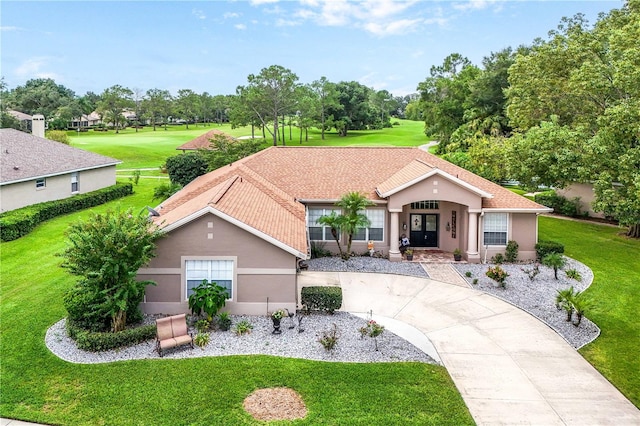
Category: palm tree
[581,304]
[333,221]
[555,261]
[353,204]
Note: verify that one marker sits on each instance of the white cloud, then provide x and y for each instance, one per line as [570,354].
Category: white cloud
[287,23]
[33,67]
[474,4]
[260,2]
[240,27]
[198,14]
[230,15]
[9,28]
[402,26]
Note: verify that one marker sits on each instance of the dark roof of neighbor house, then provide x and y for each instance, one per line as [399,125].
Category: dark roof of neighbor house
[203,141]
[26,157]
[19,115]
[265,191]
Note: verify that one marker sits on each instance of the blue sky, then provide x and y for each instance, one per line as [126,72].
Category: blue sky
[213,46]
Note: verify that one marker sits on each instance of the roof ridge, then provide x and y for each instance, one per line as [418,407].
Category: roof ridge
[223,190]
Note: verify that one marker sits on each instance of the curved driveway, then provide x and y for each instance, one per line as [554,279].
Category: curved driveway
[509,367]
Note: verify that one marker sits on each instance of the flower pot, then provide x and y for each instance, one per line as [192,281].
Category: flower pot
[457,257]
[409,257]
[276,326]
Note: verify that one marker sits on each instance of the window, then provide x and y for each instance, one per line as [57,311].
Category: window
[375,231]
[74,182]
[425,205]
[41,183]
[495,229]
[218,271]
[318,232]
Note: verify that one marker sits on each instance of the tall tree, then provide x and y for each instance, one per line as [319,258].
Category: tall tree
[270,95]
[157,106]
[113,102]
[40,96]
[354,111]
[187,105]
[327,96]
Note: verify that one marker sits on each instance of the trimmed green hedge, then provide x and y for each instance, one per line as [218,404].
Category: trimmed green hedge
[544,248]
[559,204]
[97,341]
[322,298]
[18,223]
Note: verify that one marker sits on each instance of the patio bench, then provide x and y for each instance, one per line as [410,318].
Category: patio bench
[172,332]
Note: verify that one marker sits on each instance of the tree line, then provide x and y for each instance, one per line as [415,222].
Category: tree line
[565,109]
[271,101]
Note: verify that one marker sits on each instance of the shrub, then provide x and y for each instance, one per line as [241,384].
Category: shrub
[135,177]
[165,190]
[321,298]
[58,136]
[100,341]
[497,274]
[533,272]
[243,327]
[467,274]
[17,223]
[544,248]
[202,340]
[511,252]
[475,281]
[498,259]
[573,274]
[318,250]
[373,330]
[560,204]
[184,168]
[329,338]
[202,325]
[224,321]
[208,297]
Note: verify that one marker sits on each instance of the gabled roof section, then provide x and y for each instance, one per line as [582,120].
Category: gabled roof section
[241,197]
[417,171]
[203,141]
[27,157]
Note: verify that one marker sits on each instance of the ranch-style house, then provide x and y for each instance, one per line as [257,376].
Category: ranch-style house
[247,225]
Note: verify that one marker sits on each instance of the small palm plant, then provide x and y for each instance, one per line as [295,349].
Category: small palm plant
[581,304]
[555,261]
[565,300]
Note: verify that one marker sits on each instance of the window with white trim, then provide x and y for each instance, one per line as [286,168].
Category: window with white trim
[317,231]
[375,231]
[217,271]
[74,182]
[495,229]
[41,183]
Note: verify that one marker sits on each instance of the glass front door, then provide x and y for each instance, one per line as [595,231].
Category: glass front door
[424,230]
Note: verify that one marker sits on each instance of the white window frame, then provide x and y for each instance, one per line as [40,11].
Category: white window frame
[495,223]
[75,181]
[41,183]
[375,221]
[230,274]
[326,230]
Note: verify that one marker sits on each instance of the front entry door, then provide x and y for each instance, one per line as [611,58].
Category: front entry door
[424,230]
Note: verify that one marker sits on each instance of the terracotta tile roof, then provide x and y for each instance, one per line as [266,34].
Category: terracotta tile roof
[264,190]
[203,141]
[24,156]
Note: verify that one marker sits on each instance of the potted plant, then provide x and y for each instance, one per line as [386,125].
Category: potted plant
[457,255]
[276,317]
[409,254]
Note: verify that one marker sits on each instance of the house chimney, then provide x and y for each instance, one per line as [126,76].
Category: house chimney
[37,125]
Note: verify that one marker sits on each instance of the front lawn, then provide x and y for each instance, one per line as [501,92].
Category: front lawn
[38,386]
[614,260]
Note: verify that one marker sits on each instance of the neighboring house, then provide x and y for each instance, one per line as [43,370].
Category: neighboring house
[246,225]
[24,119]
[34,170]
[586,194]
[203,141]
[86,120]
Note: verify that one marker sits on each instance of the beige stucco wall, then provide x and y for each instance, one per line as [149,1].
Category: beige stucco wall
[586,194]
[261,270]
[21,194]
[523,228]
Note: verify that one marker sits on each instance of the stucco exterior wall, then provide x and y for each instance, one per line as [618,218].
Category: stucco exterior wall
[21,194]
[522,228]
[263,273]
[586,194]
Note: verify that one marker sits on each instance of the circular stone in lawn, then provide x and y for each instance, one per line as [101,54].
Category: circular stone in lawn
[275,404]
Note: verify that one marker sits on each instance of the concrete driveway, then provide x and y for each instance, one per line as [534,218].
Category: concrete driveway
[509,367]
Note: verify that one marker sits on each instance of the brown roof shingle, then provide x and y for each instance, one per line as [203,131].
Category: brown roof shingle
[203,141]
[264,190]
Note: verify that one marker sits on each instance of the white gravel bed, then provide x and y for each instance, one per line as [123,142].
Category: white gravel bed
[538,296]
[291,343]
[366,264]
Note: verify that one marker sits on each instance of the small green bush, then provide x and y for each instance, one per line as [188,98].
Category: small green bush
[559,204]
[511,252]
[18,223]
[102,341]
[497,274]
[467,274]
[543,248]
[498,259]
[202,339]
[573,274]
[329,338]
[322,298]
[243,327]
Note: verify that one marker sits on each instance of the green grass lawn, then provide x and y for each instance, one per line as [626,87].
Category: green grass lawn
[149,149]
[37,386]
[616,292]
